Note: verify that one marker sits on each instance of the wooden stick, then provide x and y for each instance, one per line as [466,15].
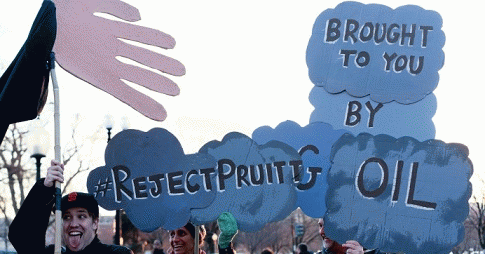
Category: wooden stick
[196,240]
[57,150]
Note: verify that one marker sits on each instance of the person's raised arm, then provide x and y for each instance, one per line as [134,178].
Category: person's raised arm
[228,227]
[32,218]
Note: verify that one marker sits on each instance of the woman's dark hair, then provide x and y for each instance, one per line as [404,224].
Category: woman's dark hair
[191,228]
[267,251]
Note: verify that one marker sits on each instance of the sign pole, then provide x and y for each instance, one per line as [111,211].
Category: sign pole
[196,240]
[57,150]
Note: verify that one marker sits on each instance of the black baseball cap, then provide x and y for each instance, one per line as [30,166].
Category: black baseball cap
[80,199]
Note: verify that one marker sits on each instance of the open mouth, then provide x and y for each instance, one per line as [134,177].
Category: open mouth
[75,239]
[75,234]
[178,247]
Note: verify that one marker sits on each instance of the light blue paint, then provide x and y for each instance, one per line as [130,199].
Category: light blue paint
[325,60]
[394,119]
[443,174]
[252,206]
[146,154]
[320,135]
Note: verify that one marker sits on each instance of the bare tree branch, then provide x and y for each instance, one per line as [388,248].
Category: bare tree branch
[16,172]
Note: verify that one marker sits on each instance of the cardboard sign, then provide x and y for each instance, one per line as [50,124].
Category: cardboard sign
[390,55]
[398,195]
[389,186]
[259,181]
[313,142]
[358,115]
[87,46]
[148,175]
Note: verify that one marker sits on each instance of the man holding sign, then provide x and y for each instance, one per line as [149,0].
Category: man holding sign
[332,247]
[80,215]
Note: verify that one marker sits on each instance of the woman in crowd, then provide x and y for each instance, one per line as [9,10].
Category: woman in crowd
[182,240]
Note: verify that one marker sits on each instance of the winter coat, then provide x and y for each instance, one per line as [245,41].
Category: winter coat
[27,231]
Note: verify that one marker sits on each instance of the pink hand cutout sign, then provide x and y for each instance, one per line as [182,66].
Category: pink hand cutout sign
[87,46]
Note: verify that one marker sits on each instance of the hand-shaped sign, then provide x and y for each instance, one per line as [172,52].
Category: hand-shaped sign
[87,47]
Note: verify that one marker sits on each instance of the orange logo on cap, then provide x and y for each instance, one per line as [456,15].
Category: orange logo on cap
[72,196]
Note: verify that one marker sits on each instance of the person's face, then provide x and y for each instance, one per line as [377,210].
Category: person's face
[322,228]
[181,241]
[79,228]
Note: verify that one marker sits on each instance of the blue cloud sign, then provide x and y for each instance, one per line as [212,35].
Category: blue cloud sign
[389,186]
[256,182]
[148,175]
[358,115]
[313,142]
[399,195]
[391,55]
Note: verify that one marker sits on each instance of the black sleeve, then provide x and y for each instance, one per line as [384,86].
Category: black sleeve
[228,250]
[27,231]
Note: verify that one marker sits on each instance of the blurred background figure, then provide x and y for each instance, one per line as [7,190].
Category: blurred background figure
[303,249]
[157,247]
[267,251]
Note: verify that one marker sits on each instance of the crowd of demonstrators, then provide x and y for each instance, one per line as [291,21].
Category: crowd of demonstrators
[80,219]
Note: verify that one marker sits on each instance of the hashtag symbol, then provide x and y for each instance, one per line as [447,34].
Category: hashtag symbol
[102,187]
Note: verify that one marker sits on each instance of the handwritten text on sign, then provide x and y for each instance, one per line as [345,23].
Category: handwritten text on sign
[391,55]
[179,182]
[400,34]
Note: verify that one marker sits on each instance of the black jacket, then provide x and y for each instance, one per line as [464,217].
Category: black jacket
[27,231]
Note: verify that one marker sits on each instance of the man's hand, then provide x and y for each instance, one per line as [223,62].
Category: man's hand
[55,173]
[354,247]
[87,46]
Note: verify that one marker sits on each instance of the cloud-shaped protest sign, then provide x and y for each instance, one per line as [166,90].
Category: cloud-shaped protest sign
[148,175]
[313,142]
[255,182]
[399,195]
[391,55]
[359,115]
